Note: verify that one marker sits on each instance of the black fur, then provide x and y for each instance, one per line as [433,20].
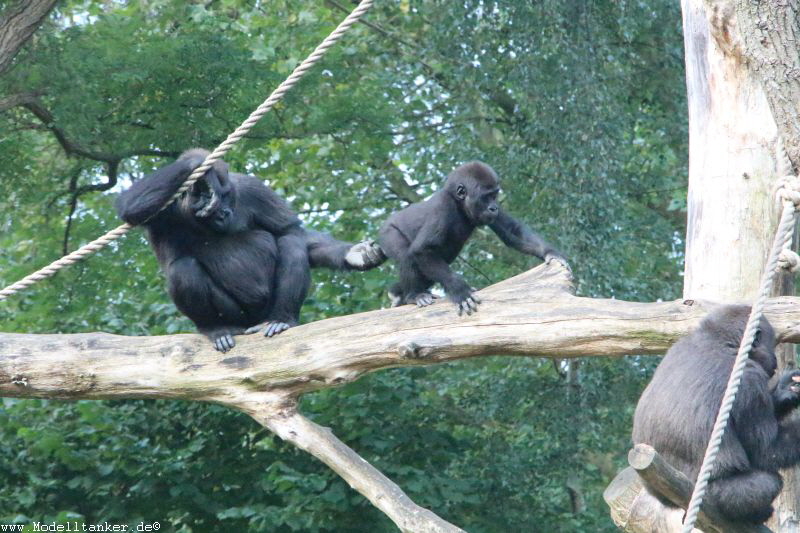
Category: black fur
[235,256]
[424,238]
[677,410]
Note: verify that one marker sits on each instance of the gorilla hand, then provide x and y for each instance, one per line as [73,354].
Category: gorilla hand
[554,257]
[786,394]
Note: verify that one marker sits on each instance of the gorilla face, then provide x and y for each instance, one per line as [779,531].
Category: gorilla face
[476,188]
[213,201]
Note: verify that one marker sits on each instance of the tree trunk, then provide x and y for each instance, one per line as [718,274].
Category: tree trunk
[17,24]
[735,159]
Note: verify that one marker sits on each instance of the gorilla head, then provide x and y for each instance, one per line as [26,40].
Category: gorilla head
[475,187]
[211,201]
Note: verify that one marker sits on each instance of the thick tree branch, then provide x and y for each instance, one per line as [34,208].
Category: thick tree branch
[359,474]
[533,314]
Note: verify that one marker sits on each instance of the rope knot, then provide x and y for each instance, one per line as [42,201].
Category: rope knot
[788,260]
[789,190]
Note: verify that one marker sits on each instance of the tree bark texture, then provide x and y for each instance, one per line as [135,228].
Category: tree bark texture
[742,85]
[17,24]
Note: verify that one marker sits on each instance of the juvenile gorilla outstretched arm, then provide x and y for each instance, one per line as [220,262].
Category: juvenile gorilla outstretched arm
[518,236]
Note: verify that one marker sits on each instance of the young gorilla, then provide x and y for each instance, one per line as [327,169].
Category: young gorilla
[678,408]
[424,238]
[234,254]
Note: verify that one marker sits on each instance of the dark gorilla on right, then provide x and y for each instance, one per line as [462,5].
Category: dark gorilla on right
[677,410]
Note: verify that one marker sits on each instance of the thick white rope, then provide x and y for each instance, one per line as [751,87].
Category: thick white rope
[783,240]
[97,244]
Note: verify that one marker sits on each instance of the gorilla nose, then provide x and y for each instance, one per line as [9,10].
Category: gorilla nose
[492,209]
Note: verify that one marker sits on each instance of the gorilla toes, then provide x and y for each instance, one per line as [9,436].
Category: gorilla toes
[275,327]
[364,255]
[424,299]
[469,305]
[223,342]
[269,328]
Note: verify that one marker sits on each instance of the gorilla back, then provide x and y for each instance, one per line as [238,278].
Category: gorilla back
[677,410]
[234,254]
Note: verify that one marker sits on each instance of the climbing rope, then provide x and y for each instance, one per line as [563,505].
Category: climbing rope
[789,193]
[97,244]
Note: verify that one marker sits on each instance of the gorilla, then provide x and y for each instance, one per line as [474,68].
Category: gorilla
[677,410]
[235,256]
[424,238]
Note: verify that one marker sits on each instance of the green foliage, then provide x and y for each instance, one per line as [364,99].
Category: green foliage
[578,105]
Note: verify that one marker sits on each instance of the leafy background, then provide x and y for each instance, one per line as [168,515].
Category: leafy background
[579,106]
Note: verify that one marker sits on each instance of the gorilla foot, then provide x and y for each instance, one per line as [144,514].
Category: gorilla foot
[423,299]
[270,328]
[468,305]
[364,255]
[221,339]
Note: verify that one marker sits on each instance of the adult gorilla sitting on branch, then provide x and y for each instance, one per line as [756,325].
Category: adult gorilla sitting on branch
[235,255]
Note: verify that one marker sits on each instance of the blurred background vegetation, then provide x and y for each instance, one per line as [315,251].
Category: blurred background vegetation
[579,106]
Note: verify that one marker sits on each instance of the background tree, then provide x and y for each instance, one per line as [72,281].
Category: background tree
[580,107]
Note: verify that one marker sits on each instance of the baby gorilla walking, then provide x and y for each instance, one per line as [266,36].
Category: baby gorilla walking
[424,238]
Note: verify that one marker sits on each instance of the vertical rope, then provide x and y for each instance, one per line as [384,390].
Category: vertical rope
[97,244]
[783,239]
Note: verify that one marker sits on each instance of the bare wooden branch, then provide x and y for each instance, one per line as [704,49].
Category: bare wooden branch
[284,421]
[533,314]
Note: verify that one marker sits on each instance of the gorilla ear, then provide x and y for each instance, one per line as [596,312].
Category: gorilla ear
[461,191]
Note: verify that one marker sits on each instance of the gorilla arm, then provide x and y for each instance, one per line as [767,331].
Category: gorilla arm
[145,198]
[423,253]
[520,237]
[771,444]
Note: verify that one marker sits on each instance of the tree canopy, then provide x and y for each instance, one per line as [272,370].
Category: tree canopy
[580,108]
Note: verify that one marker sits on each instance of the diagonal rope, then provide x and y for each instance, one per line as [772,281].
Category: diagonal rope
[97,244]
[783,239]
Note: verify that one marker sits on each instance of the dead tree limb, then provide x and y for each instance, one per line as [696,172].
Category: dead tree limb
[533,314]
